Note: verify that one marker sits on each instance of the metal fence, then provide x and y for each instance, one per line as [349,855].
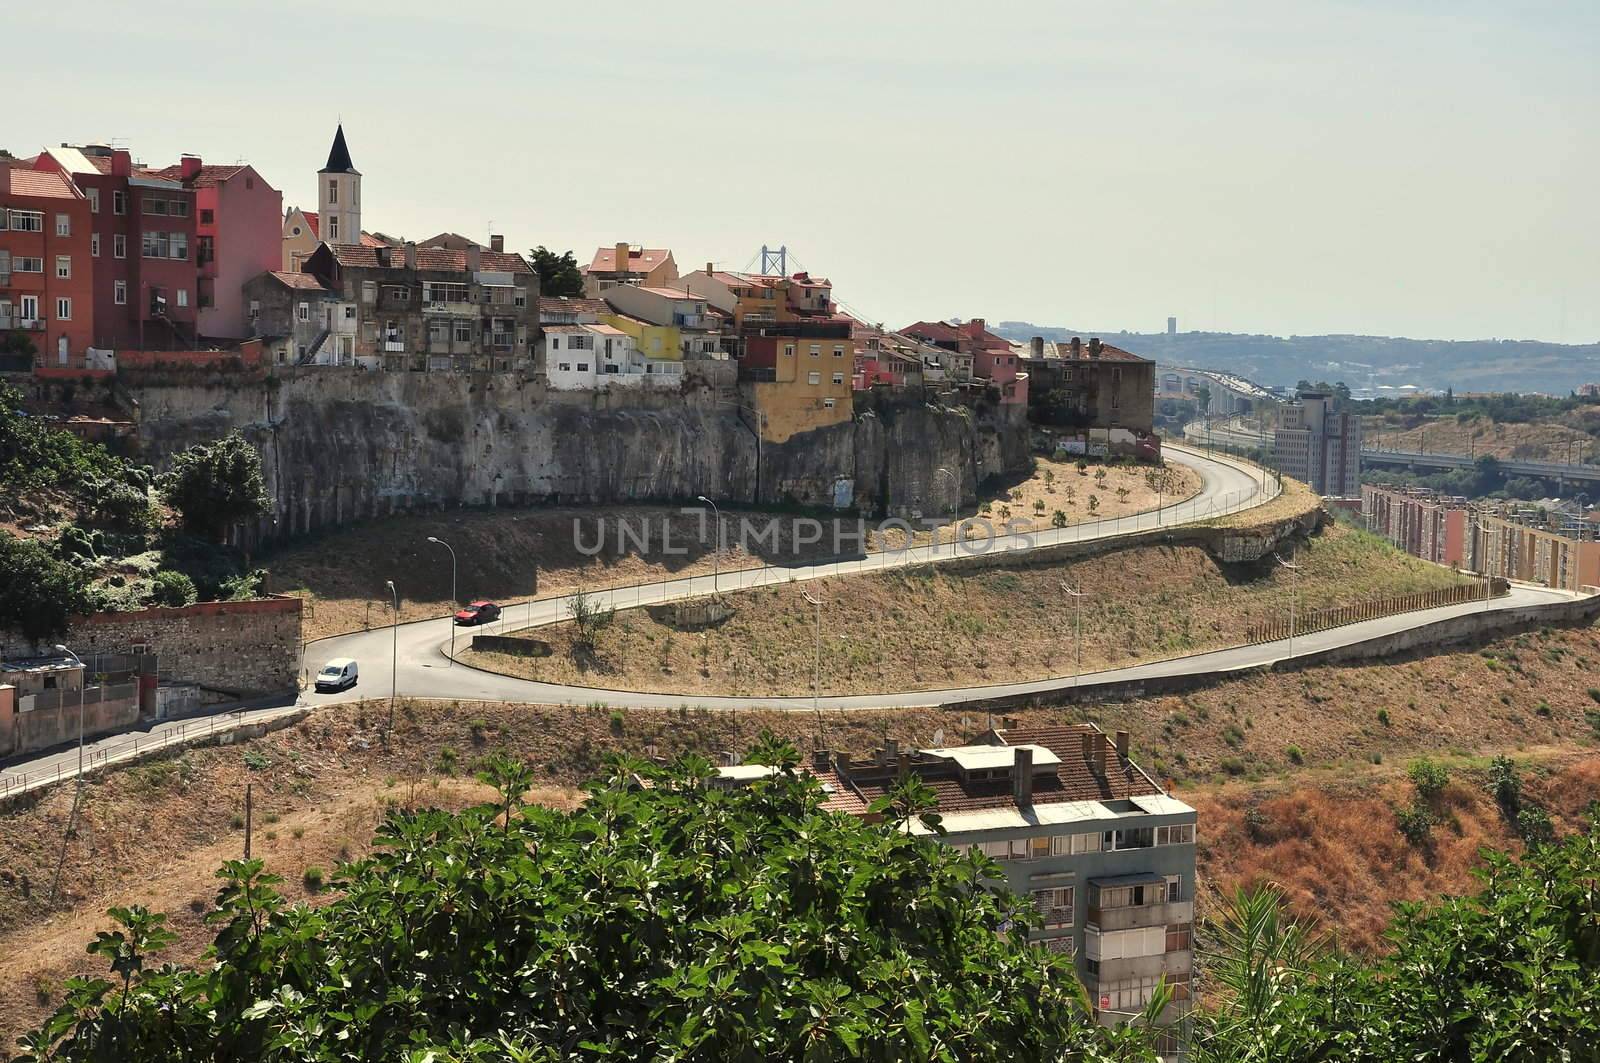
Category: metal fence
[1355,612]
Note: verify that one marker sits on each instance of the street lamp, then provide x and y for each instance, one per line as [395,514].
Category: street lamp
[81,681]
[816,671]
[394,655]
[1294,592]
[455,600]
[716,555]
[1077,599]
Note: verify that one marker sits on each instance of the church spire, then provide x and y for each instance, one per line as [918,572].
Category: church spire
[339,155]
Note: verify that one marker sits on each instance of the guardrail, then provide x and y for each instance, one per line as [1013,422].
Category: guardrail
[102,755]
[1355,612]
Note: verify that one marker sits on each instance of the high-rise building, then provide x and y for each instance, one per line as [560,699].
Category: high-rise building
[1320,445]
[1172,326]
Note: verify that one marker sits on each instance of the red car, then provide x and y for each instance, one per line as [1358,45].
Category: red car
[478,613]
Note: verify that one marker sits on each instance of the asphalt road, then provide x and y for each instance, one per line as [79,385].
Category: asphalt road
[425,668]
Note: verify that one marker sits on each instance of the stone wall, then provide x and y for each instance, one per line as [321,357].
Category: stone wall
[232,649]
[342,444]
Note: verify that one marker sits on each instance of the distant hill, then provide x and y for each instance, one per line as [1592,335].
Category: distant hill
[1363,362]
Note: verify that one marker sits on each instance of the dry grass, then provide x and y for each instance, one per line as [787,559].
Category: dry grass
[341,574]
[1569,438]
[928,628]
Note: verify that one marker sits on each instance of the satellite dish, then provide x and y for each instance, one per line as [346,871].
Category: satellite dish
[938,738]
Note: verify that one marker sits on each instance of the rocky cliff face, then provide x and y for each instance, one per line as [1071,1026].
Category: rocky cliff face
[340,445]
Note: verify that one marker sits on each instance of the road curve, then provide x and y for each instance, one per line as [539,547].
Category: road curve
[425,669]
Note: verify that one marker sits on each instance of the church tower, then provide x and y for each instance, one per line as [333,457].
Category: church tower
[339,196]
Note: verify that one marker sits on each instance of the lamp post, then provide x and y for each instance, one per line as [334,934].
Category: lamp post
[81,681]
[716,554]
[1294,593]
[1077,598]
[455,599]
[955,506]
[394,655]
[816,670]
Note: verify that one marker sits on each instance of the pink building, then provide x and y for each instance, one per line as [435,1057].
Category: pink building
[993,358]
[239,232]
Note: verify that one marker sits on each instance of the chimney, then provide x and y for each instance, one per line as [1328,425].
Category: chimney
[411,254]
[891,746]
[189,167]
[1122,747]
[1077,347]
[1100,754]
[121,163]
[497,244]
[904,768]
[622,258]
[474,258]
[1022,775]
[820,759]
[1094,347]
[709,269]
[1036,346]
[977,325]
[1088,745]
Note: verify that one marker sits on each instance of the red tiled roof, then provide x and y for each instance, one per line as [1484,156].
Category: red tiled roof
[1107,353]
[669,293]
[305,282]
[208,177]
[641,260]
[42,184]
[563,304]
[368,240]
[437,259]
[313,222]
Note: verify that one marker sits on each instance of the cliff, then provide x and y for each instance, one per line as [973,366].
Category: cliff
[341,444]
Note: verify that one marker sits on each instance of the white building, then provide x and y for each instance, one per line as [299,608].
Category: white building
[590,356]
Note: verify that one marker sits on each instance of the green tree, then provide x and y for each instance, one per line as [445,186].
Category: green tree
[668,918]
[172,588]
[558,274]
[217,485]
[589,619]
[39,592]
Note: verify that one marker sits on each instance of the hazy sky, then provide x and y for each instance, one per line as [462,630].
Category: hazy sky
[1397,167]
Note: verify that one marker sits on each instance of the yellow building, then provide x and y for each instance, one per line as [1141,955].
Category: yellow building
[652,341]
[800,380]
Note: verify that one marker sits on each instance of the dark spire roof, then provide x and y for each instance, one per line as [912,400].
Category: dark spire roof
[339,156]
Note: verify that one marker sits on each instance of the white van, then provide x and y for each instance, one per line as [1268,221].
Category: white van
[338,674]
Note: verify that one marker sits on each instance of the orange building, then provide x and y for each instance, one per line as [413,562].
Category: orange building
[46,270]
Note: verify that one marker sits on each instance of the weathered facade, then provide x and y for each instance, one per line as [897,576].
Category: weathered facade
[299,320]
[435,309]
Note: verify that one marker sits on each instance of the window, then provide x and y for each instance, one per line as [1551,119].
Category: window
[63,309]
[119,245]
[183,297]
[209,217]
[555,343]
[333,227]
[27,265]
[1174,889]
[838,352]
[155,206]
[333,191]
[303,312]
[838,378]
[519,298]
[816,350]
[1180,937]
[119,201]
[1133,838]
[1038,847]
[442,292]
[63,225]
[581,342]
[166,245]
[349,312]
[583,367]
[94,199]
[1055,906]
[369,291]
[827,404]
[255,309]
[63,267]
[565,367]
[1085,843]
[119,293]
[26,221]
[94,245]
[1116,387]
[28,307]
[813,378]
[1182,834]
[463,332]
[788,350]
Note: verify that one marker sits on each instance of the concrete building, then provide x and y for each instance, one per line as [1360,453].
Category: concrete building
[1094,388]
[238,235]
[44,701]
[625,264]
[1172,326]
[300,320]
[585,357]
[1423,523]
[46,267]
[1320,445]
[565,310]
[694,330]
[993,358]
[434,309]
[1105,853]
[144,246]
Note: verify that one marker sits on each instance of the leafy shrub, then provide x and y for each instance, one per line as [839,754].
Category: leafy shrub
[1232,766]
[1429,778]
[311,878]
[256,760]
[1233,736]
[39,592]
[1416,824]
[172,588]
[1295,755]
[243,587]
[1383,717]
[213,486]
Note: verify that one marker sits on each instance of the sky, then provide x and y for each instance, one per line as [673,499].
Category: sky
[1402,167]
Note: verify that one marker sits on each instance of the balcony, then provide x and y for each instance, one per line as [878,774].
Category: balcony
[394,347]
[1144,915]
[24,324]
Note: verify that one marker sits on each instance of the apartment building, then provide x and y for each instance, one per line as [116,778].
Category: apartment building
[992,357]
[589,356]
[144,246]
[46,268]
[667,322]
[1507,539]
[301,321]
[1092,386]
[1320,445]
[434,309]
[1104,852]
[566,310]
[238,235]
[626,264]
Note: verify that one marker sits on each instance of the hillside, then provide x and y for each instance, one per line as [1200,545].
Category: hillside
[1470,365]
[924,628]
[1319,752]
[1569,437]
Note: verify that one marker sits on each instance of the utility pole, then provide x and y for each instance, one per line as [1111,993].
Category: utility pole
[716,555]
[1077,600]
[816,671]
[1294,592]
[455,599]
[394,658]
[249,815]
